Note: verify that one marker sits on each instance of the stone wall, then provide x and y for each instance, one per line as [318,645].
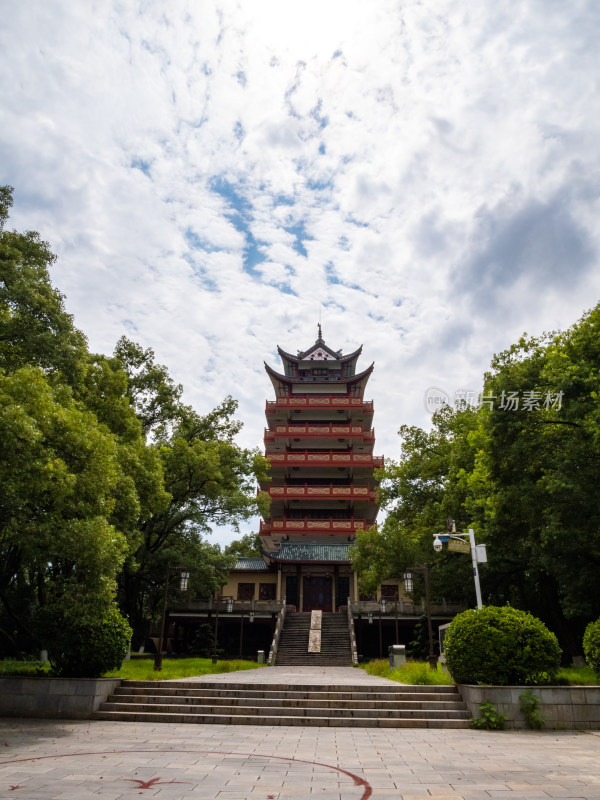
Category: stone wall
[56,698]
[563,707]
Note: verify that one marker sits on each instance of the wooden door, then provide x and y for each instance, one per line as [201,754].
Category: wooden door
[291,590]
[317,593]
[343,591]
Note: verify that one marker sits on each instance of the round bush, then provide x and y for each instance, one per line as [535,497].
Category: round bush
[87,650]
[501,646]
[591,646]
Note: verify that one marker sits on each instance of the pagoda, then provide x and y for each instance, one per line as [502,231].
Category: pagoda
[319,442]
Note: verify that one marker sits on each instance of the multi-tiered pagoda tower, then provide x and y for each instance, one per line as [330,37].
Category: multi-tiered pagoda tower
[319,442]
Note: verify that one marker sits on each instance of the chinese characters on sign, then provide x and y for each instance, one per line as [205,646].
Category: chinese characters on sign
[530,400]
[526,401]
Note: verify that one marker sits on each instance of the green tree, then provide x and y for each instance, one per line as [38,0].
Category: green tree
[104,472]
[419,492]
[58,471]
[249,546]
[35,329]
[540,462]
[209,478]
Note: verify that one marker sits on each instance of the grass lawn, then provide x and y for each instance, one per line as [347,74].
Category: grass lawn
[420,673]
[142,669]
[415,672]
[577,676]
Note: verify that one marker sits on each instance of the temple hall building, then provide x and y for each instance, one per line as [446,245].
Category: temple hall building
[320,444]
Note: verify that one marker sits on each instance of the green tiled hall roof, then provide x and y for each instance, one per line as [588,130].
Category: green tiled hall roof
[296,551]
[251,565]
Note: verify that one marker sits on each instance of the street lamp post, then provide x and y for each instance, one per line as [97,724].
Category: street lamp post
[184,577]
[432,658]
[478,552]
[242,634]
[216,636]
[229,607]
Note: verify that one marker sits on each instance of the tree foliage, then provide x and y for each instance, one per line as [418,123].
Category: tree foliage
[591,645]
[419,493]
[522,471]
[106,476]
[249,546]
[501,646]
[87,649]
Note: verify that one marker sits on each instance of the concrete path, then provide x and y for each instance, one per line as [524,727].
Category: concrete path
[55,760]
[330,676]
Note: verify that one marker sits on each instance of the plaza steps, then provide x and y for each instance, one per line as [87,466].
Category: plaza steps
[358,706]
[335,642]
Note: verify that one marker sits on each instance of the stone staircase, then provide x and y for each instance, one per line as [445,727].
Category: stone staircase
[335,642]
[359,706]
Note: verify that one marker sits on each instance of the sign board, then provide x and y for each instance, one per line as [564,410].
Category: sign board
[459,547]
[481,554]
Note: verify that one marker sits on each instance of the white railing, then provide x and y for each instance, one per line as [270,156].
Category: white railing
[276,636]
[353,647]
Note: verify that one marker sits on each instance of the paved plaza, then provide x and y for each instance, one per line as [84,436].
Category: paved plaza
[58,760]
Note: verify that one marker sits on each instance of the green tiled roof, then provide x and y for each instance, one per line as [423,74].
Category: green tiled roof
[251,565]
[296,551]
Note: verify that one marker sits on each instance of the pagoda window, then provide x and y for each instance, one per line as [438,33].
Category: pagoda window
[319,513]
[294,481]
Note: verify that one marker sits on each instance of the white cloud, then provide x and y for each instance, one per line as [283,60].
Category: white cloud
[438,161]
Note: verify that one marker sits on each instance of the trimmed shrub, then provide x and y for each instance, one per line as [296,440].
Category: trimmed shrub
[591,646]
[88,650]
[501,646]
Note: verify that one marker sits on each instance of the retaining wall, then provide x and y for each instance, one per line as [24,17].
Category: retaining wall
[56,698]
[563,707]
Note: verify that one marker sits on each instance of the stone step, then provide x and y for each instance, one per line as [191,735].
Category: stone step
[313,696]
[360,688]
[263,719]
[356,705]
[269,702]
[277,711]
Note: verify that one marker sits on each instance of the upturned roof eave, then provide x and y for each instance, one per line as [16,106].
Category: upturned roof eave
[337,355]
[285,379]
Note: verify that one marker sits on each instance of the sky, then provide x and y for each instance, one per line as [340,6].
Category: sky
[216,177]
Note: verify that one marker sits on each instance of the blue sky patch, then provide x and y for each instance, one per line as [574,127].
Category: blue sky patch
[299,231]
[143,166]
[240,216]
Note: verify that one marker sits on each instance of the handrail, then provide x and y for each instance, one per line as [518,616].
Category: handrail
[353,648]
[320,490]
[280,524]
[316,431]
[321,401]
[404,608]
[324,458]
[276,636]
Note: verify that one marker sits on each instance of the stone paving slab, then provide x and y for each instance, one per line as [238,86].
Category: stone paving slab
[79,760]
[296,675]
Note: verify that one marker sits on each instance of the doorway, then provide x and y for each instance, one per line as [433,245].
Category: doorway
[317,593]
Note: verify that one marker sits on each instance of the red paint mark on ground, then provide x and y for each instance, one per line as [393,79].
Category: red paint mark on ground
[12,788]
[358,781]
[149,784]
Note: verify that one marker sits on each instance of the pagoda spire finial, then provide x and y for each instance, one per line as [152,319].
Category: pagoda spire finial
[320,336]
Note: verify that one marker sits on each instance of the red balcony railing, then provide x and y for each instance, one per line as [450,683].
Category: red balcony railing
[320,401]
[286,525]
[330,491]
[309,431]
[324,458]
